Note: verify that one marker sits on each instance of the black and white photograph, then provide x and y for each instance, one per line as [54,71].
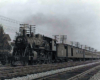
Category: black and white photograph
[49,39]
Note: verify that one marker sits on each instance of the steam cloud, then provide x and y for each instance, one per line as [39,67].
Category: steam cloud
[79,20]
[77,27]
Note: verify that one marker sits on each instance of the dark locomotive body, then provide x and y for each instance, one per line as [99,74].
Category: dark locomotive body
[33,48]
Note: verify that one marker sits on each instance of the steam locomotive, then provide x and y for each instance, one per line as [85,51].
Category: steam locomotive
[31,48]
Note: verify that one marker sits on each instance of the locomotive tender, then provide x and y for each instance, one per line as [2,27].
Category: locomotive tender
[31,48]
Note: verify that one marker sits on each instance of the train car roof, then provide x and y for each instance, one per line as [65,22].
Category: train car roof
[45,37]
[70,46]
[64,44]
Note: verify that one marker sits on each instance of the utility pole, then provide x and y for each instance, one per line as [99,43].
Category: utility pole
[81,46]
[89,48]
[95,50]
[85,47]
[92,50]
[23,29]
[77,44]
[56,37]
[72,43]
[33,29]
[63,38]
[24,25]
[84,52]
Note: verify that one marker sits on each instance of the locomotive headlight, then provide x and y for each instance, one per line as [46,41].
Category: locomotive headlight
[19,39]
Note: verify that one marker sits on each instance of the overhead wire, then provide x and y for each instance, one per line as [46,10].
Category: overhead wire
[3,18]
[9,26]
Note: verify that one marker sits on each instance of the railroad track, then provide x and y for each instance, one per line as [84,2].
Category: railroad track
[73,73]
[37,70]
[86,74]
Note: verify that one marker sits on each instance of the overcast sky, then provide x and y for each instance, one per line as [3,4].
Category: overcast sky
[78,19]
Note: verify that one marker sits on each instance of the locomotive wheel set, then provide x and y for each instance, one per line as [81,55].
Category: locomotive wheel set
[30,48]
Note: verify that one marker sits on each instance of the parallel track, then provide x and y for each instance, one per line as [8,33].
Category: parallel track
[14,72]
[83,73]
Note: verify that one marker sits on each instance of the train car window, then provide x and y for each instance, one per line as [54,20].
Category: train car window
[36,36]
[76,51]
[71,51]
[27,35]
[82,51]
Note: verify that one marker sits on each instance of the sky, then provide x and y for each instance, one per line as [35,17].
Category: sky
[78,19]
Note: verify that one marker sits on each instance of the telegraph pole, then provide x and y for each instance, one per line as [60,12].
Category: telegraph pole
[72,43]
[22,29]
[81,46]
[24,25]
[77,44]
[56,37]
[63,38]
[89,48]
[84,52]
[33,28]
[92,52]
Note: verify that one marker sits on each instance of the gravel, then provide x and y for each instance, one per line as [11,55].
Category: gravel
[38,75]
[96,76]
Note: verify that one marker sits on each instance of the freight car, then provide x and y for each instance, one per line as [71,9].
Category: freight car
[5,47]
[31,48]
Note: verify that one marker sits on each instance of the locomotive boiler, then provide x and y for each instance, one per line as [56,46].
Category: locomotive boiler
[32,48]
